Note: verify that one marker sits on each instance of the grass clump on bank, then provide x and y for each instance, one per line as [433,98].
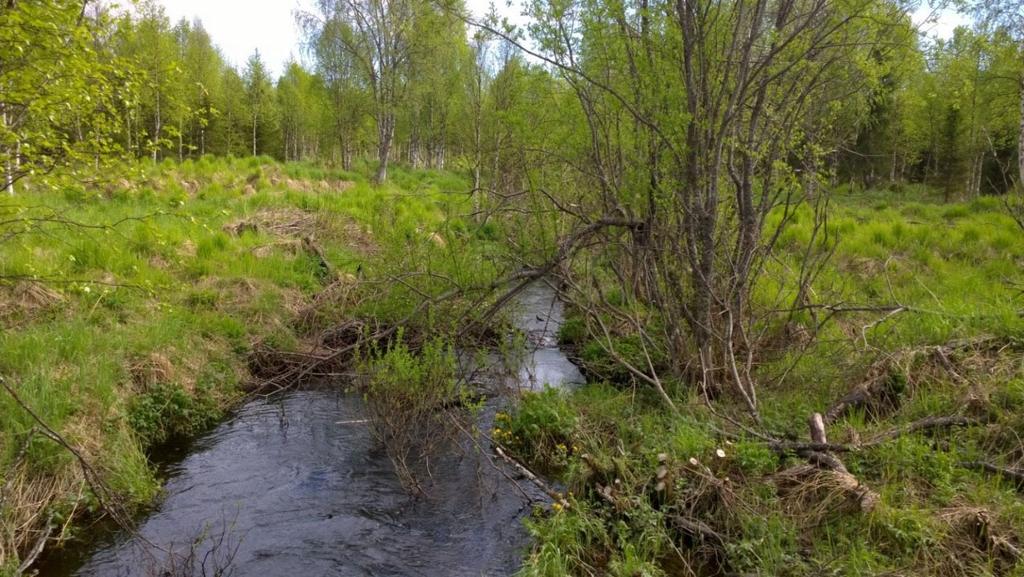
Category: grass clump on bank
[130,308]
[654,492]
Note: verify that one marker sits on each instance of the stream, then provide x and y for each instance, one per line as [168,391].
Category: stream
[296,485]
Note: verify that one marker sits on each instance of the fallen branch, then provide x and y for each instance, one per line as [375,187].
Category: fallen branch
[555,495]
[103,495]
[698,529]
[924,424]
[480,450]
[37,549]
[856,397]
[1015,475]
[522,278]
[315,251]
[875,387]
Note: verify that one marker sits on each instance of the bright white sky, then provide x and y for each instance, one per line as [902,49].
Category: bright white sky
[239,27]
[938,23]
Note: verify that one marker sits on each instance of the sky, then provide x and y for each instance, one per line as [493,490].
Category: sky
[938,23]
[239,27]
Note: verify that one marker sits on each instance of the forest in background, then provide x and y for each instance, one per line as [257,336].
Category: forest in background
[789,235]
[943,112]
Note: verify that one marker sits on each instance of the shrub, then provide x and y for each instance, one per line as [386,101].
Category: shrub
[407,397]
[540,430]
[167,411]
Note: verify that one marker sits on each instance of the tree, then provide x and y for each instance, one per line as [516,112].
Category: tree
[203,67]
[375,35]
[259,99]
[229,126]
[155,49]
[435,97]
[1007,16]
[348,97]
[477,85]
[302,102]
[706,124]
[56,103]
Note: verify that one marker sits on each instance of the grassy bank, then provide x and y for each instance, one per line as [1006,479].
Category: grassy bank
[656,493]
[130,305]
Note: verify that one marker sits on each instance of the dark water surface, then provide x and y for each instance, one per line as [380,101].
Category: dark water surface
[296,485]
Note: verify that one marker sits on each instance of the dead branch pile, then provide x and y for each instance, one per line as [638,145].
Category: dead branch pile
[823,485]
[975,537]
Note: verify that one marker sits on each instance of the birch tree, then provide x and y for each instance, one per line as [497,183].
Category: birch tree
[56,102]
[376,35]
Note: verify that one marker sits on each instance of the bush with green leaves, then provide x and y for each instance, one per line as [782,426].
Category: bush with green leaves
[409,394]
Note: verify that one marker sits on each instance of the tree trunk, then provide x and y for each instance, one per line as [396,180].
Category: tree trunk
[385,133]
[254,123]
[477,159]
[9,168]
[892,168]
[1020,136]
[346,154]
[415,148]
[157,128]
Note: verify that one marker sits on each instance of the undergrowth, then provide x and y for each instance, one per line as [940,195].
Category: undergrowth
[657,493]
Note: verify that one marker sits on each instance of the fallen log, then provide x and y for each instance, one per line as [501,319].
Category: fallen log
[822,463]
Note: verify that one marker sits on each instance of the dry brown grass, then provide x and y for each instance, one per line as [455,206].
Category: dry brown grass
[151,370]
[323,311]
[280,222]
[812,495]
[976,538]
[278,179]
[27,499]
[23,301]
[289,226]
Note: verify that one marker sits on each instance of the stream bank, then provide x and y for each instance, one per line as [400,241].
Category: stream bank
[296,484]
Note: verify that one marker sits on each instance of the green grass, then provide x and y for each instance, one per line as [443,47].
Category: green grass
[959,271]
[144,334]
[148,341]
